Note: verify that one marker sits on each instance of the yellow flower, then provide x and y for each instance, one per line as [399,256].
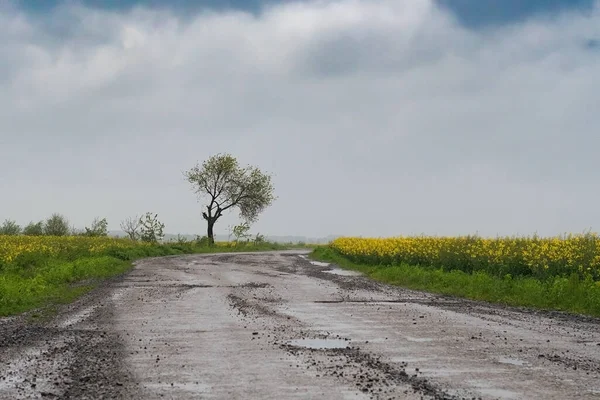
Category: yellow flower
[539,256]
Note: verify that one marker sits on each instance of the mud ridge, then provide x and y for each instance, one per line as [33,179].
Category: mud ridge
[368,372]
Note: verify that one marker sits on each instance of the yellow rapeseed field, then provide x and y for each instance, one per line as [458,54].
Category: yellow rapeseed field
[12,247]
[517,256]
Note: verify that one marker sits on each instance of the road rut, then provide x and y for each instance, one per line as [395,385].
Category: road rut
[274,325]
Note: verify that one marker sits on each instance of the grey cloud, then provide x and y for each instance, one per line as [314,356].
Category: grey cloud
[376,117]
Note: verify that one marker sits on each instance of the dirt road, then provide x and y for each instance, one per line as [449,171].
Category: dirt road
[276,326]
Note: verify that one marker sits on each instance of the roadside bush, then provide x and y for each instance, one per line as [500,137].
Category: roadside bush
[259,239]
[34,229]
[10,228]
[202,241]
[151,229]
[98,228]
[131,226]
[56,225]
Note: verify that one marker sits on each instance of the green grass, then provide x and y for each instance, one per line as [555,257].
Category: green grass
[572,294]
[54,282]
[39,283]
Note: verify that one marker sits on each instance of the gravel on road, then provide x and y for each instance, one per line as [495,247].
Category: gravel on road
[275,325]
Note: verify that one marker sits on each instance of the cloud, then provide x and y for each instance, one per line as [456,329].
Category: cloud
[377,117]
[484,14]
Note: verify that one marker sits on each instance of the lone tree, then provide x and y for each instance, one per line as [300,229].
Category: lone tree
[224,185]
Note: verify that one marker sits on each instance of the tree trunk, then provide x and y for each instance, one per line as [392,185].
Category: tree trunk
[210,233]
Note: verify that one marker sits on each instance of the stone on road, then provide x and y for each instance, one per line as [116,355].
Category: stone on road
[274,325]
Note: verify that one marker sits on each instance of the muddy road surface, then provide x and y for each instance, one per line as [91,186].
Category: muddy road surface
[276,326]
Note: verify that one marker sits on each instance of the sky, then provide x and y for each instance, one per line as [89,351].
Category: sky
[375,117]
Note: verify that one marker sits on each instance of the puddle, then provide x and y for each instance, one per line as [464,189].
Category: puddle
[419,340]
[343,272]
[511,361]
[484,388]
[320,264]
[183,386]
[408,359]
[78,317]
[117,295]
[447,372]
[500,393]
[354,395]
[16,384]
[379,340]
[359,301]
[320,343]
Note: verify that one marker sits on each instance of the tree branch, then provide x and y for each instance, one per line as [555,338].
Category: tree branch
[241,196]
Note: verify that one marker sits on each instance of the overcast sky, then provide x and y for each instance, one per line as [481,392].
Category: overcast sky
[376,117]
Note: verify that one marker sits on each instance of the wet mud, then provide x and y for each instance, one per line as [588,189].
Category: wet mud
[274,325]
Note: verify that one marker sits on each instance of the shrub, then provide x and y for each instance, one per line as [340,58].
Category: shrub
[151,229]
[99,228]
[10,228]
[34,229]
[56,225]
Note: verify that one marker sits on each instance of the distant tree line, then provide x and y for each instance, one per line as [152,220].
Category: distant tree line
[146,228]
[56,225]
[220,182]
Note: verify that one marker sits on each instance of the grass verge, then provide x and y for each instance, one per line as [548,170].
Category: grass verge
[572,294]
[42,283]
[54,282]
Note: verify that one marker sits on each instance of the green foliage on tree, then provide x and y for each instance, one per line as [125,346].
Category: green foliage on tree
[56,225]
[259,239]
[10,227]
[98,228]
[34,229]
[241,231]
[222,184]
[151,229]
